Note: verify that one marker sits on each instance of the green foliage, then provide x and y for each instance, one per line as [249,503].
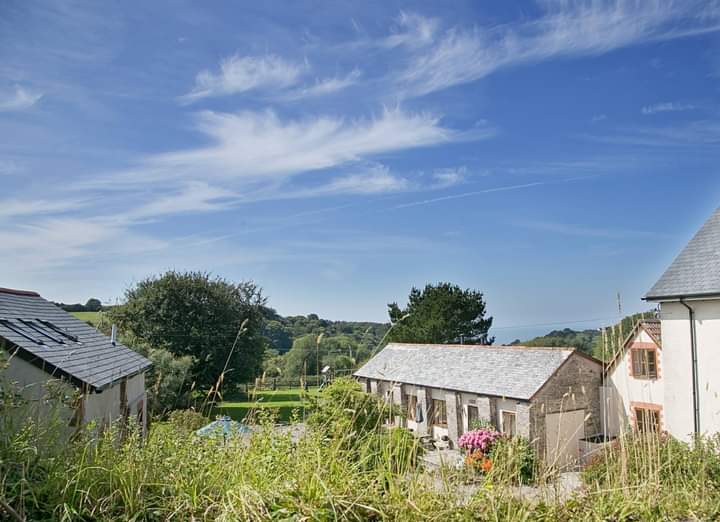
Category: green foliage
[590,341]
[279,335]
[514,461]
[442,313]
[311,353]
[344,408]
[583,340]
[192,314]
[187,421]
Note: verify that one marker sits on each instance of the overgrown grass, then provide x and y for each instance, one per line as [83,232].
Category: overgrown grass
[346,467]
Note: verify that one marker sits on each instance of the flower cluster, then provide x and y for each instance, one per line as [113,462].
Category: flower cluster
[477,459]
[482,440]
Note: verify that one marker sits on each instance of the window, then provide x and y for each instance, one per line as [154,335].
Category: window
[508,423]
[411,402]
[647,420]
[438,415]
[644,363]
[473,417]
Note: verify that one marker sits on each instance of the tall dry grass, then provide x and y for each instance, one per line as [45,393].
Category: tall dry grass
[346,467]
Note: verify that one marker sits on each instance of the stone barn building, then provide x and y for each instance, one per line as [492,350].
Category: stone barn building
[547,395]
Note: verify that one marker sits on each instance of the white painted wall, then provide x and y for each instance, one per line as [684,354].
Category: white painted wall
[102,408]
[622,389]
[678,409]
[32,383]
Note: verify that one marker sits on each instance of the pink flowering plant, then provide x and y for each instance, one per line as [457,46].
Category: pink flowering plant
[482,440]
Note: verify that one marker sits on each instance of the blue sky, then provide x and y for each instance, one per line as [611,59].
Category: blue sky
[550,154]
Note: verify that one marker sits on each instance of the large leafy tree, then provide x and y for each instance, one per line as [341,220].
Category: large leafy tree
[441,313]
[194,314]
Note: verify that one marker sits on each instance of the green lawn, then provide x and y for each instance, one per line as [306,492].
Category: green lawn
[92,317]
[285,401]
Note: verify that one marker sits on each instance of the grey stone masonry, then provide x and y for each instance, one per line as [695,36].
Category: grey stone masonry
[422,427]
[522,419]
[452,409]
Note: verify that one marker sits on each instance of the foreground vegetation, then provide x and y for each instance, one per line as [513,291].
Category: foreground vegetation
[346,467]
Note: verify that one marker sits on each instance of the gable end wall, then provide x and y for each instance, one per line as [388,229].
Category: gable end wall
[575,386]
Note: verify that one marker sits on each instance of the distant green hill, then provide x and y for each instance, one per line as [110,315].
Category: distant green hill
[590,341]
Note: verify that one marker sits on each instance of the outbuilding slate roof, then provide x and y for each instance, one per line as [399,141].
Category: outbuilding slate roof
[92,359]
[502,371]
[696,271]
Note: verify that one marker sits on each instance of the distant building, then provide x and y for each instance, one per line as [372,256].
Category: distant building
[633,395]
[689,297]
[548,395]
[43,344]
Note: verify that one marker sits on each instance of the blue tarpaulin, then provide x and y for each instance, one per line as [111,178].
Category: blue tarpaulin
[222,426]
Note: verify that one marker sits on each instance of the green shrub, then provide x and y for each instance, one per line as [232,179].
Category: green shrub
[514,461]
[343,410]
[187,421]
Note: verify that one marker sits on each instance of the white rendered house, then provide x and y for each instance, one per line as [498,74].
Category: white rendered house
[689,297]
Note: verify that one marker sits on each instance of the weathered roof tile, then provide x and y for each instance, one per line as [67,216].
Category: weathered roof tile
[502,371]
[93,360]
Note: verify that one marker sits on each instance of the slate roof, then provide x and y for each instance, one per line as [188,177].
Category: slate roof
[502,371]
[696,271]
[92,359]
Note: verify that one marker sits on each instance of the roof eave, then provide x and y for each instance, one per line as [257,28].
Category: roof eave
[679,297]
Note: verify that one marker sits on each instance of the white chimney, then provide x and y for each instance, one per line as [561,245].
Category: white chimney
[113,335]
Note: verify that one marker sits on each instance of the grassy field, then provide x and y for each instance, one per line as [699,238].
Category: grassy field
[285,401]
[92,317]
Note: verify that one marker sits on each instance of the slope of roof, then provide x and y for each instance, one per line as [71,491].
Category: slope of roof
[502,371]
[43,331]
[696,271]
[651,326]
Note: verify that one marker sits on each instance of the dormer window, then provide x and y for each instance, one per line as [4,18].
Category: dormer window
[644,363]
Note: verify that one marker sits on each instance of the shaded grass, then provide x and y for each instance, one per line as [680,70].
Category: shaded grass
[281,403]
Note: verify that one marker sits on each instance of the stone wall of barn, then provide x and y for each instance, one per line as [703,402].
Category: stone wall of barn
[575,386]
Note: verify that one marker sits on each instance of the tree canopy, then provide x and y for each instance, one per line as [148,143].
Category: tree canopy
[194,314]
[441,313]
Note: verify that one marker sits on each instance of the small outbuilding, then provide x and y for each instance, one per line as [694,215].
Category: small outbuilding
[548,395]
[49,351]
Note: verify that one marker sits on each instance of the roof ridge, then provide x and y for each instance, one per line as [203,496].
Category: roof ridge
[486,346]
[13,291]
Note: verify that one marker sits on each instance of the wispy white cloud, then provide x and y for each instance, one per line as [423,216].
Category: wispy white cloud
[567,29]
[411,30]
[666,107]
[260,145]
[195,196]
[17,207]
[240,74]
[326,86]
[449,177]
[18,100]
[53,242]
[694,133]
[598,117]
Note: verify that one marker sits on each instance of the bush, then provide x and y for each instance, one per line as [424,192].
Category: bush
[187,421]
[514,461]
[343,409]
